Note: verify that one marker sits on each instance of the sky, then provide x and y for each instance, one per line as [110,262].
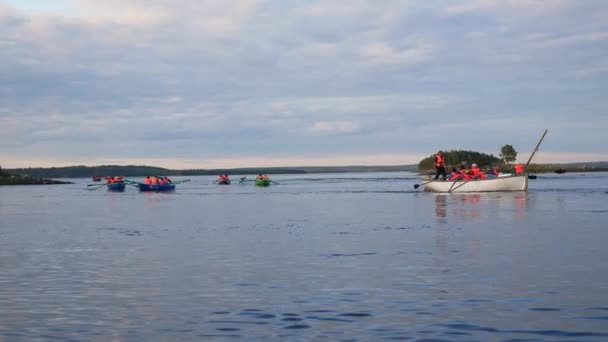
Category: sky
[245,83]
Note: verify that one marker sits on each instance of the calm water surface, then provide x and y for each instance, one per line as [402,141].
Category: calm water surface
[347,257]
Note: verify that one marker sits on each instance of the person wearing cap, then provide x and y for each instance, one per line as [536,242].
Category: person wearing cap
[440,166]
[476,172]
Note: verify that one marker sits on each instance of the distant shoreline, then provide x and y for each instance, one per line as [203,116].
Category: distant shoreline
[139,170]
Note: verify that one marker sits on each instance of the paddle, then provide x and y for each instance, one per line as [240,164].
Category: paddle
[98,186]
[416,186]
[182,181]
[271,181]
[454,183]
[535,149]
[463,183]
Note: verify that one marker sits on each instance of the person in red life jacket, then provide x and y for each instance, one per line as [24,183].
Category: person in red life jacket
[148,181]
[167,180]
[455,175]
[118,180]
[519,169]
[154,180]
[476,172]
[493,173]
[465,173]
[439,166]
[161,181]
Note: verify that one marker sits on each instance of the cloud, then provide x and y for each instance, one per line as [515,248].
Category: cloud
[334,128]
[206,80]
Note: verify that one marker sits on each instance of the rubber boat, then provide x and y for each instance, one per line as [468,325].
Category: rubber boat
[262,182]
[156,187]
[509,183]
[116,187]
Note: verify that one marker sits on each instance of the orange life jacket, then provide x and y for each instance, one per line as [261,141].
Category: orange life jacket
[148,181]
[475,172]
[456,176]
[439,161]
[154,181]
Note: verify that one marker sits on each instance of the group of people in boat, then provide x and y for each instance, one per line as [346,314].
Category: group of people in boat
[223,179]
[262,177]
[114,180]
[464,172]
[157,180]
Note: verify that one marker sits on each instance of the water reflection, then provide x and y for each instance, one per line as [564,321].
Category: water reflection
[480,206]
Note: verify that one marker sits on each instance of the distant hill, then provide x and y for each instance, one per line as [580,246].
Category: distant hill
[139,170]
[570,167]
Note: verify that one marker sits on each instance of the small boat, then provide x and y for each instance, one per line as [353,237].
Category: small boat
[96,179]
[156,187]
[509,183]
[223,181]
[262,182]
[560,171]
[118,187]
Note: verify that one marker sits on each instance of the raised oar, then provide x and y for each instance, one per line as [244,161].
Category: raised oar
[271,181]
[535,149]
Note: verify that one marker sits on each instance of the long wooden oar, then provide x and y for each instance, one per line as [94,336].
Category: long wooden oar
[416,186]
[182,181]
[535,149]
[100,186]
[454,183]
[459,185]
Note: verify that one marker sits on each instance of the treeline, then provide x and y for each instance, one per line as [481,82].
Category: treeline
[139,171]
[454,158]
[10,179]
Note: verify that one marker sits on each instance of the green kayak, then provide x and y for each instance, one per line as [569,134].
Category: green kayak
[262,182]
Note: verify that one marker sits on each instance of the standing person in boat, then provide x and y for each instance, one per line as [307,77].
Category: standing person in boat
[440,166]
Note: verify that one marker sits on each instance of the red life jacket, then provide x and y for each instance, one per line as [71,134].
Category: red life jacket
[456,176]
[439,161]
[519,169]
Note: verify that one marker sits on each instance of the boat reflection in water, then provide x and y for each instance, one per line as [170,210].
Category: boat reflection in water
[477,207]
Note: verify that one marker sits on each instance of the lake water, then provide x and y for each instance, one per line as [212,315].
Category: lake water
[340,257]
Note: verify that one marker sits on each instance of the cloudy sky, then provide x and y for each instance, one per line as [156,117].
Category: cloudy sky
[216,83]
